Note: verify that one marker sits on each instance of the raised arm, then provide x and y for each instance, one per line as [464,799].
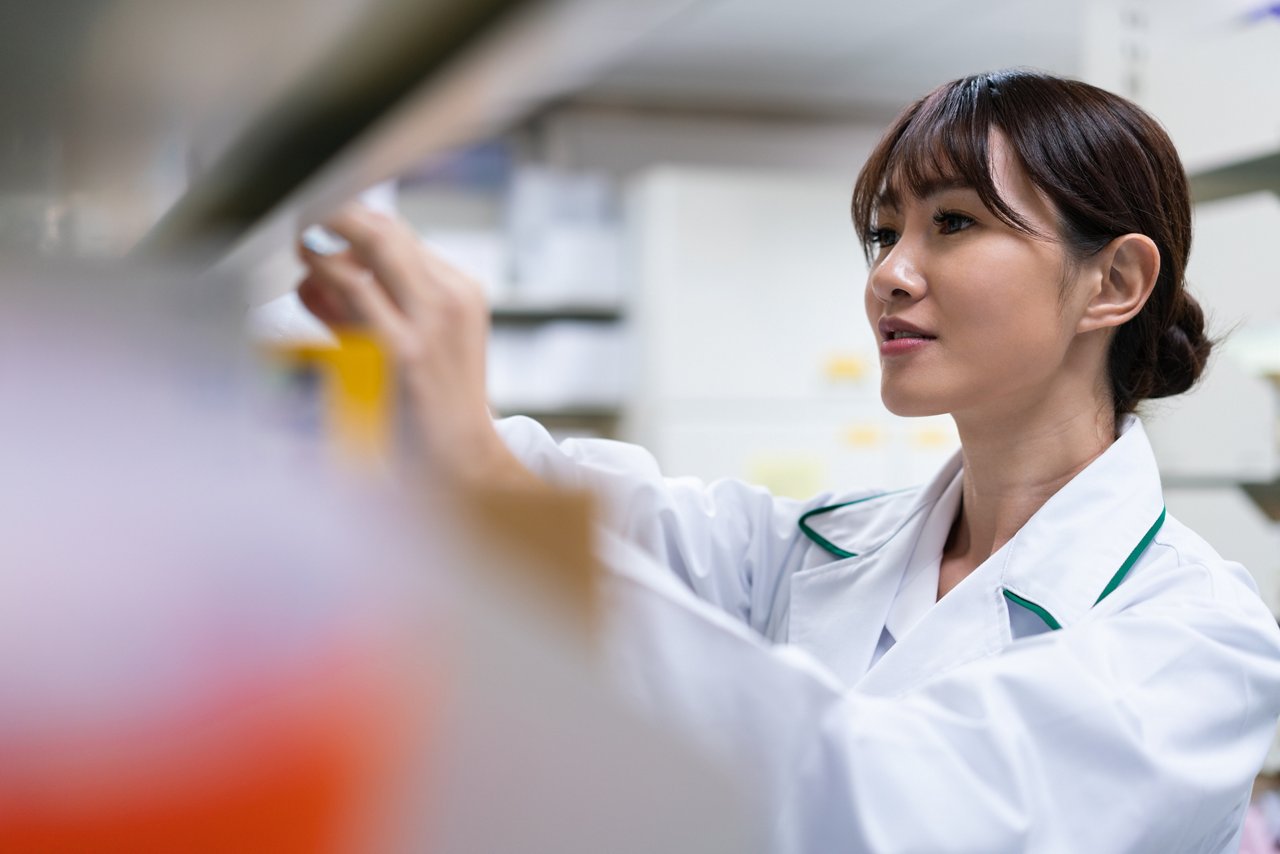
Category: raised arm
[434,323]
[727,541]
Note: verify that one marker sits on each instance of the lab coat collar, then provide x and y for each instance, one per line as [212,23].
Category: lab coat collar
[1082,542]
[838,609]
[860,527]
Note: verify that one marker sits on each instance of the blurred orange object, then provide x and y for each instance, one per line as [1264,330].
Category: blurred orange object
[303,762]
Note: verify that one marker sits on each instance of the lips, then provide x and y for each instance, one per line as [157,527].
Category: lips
[897,329]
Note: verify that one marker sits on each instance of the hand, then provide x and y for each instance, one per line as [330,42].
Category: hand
[432,320]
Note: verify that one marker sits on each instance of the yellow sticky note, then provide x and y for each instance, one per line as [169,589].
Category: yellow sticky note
[864,435]
[790,475]
[845,368]
[930,437]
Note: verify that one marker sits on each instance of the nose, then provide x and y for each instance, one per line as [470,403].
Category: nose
[897,277]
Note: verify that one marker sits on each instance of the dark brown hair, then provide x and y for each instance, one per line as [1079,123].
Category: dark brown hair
[1108,168]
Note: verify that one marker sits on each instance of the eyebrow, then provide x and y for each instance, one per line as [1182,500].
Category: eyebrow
[889,198]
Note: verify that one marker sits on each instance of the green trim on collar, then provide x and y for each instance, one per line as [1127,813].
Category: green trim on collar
[1033,608]
[1111,585]
[1038,610]
[823,541]
[1133,557]
[818,538]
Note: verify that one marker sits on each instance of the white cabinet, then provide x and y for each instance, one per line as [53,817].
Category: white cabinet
[1234,267]
[749,282]
[1207,69]
[755,358]
[1214,86]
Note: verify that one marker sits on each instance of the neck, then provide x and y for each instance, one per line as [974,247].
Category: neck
[1012,465]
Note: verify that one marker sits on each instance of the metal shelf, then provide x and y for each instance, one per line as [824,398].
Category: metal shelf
[1266,496]
[602,421]
[577,413]
[515,313]
[1238,178]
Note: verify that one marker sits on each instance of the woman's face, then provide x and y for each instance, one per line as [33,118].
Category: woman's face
[986,297]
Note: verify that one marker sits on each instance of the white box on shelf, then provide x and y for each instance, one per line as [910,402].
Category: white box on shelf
[571,263]
[564,236]
[478,253]
[557,366]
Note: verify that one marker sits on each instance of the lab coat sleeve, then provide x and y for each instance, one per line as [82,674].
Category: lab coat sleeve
[728,541]
[1135,730]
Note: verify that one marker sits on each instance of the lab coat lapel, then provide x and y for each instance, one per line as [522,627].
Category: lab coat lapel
[970,622]
[838,609]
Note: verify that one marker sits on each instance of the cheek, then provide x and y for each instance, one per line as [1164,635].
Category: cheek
[1010,335]
[1027,352]
[1010,325]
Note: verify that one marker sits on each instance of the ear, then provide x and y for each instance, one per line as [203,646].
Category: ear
[1128,267]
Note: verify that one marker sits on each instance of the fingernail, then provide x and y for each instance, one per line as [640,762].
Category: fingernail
[322,241]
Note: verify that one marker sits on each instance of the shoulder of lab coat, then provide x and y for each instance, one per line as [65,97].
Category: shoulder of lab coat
[733,544]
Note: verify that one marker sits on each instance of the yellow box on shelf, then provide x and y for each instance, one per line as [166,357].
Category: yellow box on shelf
[356,388]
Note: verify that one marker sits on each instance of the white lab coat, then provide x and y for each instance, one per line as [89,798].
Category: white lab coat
[1022,712]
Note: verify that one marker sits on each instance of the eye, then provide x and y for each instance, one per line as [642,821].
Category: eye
[882,237]
[950,221]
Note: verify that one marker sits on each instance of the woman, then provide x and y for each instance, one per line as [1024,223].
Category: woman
[1028,653]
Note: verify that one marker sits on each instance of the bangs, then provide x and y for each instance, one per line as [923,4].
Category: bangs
[939,142]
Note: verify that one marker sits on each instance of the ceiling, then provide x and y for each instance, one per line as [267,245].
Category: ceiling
[837,56]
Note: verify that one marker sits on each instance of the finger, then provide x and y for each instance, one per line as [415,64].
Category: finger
[325,303]
[358,288]
[323,259]
[386,245]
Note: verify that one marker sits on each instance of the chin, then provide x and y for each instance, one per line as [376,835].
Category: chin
[913,405]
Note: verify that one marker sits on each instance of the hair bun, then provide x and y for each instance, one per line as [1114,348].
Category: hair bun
[1183,350]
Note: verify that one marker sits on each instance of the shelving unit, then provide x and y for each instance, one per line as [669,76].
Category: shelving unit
[1242,177]
[539,239]
[570,419]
